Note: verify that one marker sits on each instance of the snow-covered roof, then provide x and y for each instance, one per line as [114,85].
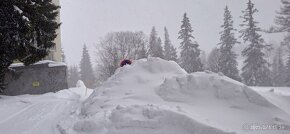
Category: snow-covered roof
[49,62]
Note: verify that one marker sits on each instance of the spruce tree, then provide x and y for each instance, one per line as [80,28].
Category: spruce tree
[283,17]
[86,70]
[287,80]
[189,55]
[213,61]
[159,49]
[278,67]
[142,52]
[282,20]
[228,59]
[155,45]
[73,76]
[255,71]
[27,32]
[169,50]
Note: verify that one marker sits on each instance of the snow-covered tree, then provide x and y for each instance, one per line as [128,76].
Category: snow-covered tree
[159,49]
[213,60]
[286,42]
[283,17]
[282,20]
[255,71]
[155,45]
[278,68]
[228,58]
[287,81]
[143,51]
[169,50]
[27,31]
[115,47]
[73,76]
[86,70]
[189,55]
[203,59]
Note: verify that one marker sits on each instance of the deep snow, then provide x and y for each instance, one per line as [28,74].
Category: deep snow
[151,96]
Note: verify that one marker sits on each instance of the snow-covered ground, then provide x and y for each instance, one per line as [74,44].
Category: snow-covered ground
[152,96]
[39,114]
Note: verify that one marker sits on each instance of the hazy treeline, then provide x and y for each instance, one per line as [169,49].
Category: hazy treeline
[257,69]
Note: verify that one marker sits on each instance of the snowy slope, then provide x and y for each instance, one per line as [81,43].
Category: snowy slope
[156,96]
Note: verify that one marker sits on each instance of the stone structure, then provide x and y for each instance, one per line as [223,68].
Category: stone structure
[39,78]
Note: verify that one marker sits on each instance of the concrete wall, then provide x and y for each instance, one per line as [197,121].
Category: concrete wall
[36,79]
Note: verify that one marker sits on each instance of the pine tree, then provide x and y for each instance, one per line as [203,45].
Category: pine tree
[279,70]
[255,71]
[286,42]
[73,76]
[228,59]
[282,20]
[153,42]
[155,48]
[25,35]
[283,17]
[159,49]
[203,59]
[169,50]
[189,55]
[142,53]
[213,61]
[86,70]
[287,80]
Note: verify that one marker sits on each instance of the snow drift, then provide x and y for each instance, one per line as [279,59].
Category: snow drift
[157,96]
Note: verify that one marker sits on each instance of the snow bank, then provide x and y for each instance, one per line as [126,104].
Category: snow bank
[136,119]
[208,86]
[279,96]
[157,96]
[80,92]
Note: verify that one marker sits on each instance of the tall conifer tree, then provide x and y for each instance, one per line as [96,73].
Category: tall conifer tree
[228,59]
[155,45]
[189,55]
[282,20]
[255,71]
[86,70]
[169,50]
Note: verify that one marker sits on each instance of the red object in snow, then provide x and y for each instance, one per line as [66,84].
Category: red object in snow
[125,62]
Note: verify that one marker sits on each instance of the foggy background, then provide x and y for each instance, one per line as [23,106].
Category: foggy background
[86,21]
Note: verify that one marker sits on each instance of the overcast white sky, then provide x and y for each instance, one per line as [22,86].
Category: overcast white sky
[86,21]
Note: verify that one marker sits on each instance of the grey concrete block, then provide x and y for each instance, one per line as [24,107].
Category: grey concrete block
[36,79]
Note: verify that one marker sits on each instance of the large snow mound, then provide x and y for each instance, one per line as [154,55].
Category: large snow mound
[157,96]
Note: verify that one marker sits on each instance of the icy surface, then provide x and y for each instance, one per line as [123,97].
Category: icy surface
[151,96]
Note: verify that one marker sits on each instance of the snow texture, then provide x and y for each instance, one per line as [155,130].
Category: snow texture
[157,96]
[151,96]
